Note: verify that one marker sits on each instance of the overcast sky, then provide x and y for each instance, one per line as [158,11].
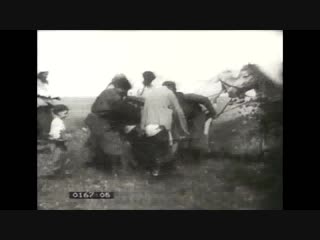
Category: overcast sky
[82,63]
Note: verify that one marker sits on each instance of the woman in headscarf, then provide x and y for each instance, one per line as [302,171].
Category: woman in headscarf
[110,114]
[44,96]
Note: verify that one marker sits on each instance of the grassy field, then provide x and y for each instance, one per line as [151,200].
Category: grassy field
[214,182]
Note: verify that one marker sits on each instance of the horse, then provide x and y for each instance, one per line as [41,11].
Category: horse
[251,77]
[244,126]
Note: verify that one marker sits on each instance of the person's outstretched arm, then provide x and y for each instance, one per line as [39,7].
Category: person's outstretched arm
[201,100]
[134,99]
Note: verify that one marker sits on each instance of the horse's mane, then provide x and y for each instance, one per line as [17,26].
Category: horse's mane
[265,83]
[256,70]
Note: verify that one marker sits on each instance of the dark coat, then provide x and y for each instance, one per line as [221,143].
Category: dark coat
[191,102]
[196,117]
[109,114]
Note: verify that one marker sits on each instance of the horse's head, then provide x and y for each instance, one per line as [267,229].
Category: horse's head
[252,77]
[236,86]
[245,81]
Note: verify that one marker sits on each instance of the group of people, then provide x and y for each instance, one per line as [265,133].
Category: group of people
[125,132]
[153,126]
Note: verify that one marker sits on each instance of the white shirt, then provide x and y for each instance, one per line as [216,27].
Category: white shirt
[152,129]
[144,91]
[160,103]
[57,126]
[43,88]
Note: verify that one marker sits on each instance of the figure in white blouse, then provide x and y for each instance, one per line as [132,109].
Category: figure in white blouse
[44,96]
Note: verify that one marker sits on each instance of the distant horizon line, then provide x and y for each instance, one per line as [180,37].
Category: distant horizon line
[77,97]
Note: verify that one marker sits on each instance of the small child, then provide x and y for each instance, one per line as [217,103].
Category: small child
[58,137]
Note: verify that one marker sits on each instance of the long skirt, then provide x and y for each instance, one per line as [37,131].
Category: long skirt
[44,119]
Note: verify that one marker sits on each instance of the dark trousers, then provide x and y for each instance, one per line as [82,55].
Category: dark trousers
[151,152]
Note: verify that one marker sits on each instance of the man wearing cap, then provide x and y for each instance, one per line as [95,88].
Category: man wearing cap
[196,117]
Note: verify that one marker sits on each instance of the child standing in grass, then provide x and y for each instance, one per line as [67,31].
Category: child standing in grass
[58,138]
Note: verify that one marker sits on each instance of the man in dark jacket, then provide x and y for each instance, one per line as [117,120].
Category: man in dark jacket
[195,115]
[110,113]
